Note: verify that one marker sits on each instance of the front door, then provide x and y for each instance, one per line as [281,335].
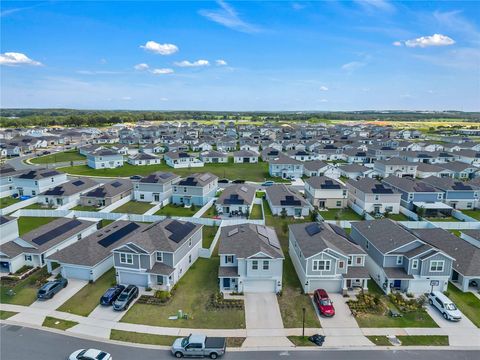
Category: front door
[321,204]
[226,283]
[156,197]
[20,192]
[397,284]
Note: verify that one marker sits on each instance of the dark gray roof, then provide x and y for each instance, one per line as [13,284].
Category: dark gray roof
[397,273]
[237,194]
[371,186]
[384,234]
[409,185]
[197,179]
[160,268]
[283,159]
[472,233]
[110,189]
[159,177]
[39,174]
[323,237]
[449,184]
[246,153]
[71,187]
[396,161]
[315,165]
[281,195]
[325,183]
[457,166]
[228,271]
[353,168]
[246,240]
[356,272]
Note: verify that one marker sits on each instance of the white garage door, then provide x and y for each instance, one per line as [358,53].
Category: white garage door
[257,286]
[328,285]
[127,278]
[72,272]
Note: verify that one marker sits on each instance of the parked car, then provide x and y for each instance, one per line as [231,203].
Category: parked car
[90,354]
[135,177]
[268,183]
[223,181]
[323,302]
[448,309]
[125,298]
[199,346]
[238,181]
[111,295]
[49,290]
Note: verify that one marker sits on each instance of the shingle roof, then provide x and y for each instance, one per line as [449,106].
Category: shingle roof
[71,187]
[323,182]
[237,194]
[281,195]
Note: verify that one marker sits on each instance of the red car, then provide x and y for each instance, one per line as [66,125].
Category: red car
[324,304]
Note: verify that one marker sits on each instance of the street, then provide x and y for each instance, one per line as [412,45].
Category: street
[20,343]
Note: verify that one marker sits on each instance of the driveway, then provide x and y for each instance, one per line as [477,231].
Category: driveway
[72,288]
[465,323]
[262,311]
[106,313]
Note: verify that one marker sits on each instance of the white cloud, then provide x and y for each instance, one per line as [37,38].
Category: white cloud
[162,71]
[323,88]
[353,65]
[141,67]
[228,16]
[298,6]
[162,49]
[427,41]
[221,62]
[198,63]
[14,59]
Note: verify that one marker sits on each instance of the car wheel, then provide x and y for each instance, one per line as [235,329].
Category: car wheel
[64,285]
[430,301]
[445,316]
[213,355]
[178,355]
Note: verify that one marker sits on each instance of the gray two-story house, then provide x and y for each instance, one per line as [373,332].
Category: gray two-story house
[196,189]
[285,167]
[457,194]
[156,187]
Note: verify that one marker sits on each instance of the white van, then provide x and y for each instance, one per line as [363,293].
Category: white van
[445,306]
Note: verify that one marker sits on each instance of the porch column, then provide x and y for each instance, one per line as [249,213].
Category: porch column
[49,267]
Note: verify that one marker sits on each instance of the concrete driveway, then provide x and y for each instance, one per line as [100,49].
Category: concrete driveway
[262,311]
[465,323]
[63,295]
[106,313]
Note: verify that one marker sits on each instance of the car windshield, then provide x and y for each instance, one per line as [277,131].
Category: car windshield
[123,296]
[101,355]
[184,342]
[41,291]
[81,353]
[325,302]
[451,307]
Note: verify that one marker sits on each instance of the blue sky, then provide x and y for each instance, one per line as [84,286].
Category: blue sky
[332,55]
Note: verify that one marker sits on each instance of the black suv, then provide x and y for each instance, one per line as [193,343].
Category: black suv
[48,290]
[125,298]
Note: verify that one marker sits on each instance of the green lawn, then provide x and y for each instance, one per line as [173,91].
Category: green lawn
[292,299]
[260,194]
[442,219]
[300,341]
[249,172]
[467,302]
[398,217]
[105,222]
[4,315]
[340,214]
[85,208]
[29,223]
[208,235]
[25,292]
[36,206]
[192,296]
[256,213]
[210,213]
[472,213]
[60,324]
[71,155]
[177,210]
[7,201]
[133,207]
[412,340]
[87,299]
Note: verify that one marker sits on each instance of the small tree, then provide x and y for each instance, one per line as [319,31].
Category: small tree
[284,227]
[421,212]
[193,207]
[283,213]
[386,213]
[313,215]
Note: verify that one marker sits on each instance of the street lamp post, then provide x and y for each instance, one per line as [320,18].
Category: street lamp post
[303,322]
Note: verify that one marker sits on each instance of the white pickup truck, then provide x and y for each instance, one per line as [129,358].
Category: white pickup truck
[199,346]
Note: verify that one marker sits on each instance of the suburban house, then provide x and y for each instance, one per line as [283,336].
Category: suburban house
[143,159]
[326,193]
[236,200]
[159,255]
[104,159]
[251,259]
[214,157]
[427,170]
[460,170]
[196,189]
[32,248]
[156,187]
[8,228]
[270,153]
[417,194]
[302,155]
[372,196]
[395,167]
[7,173]
[354,171]
[282,200]
[399,260]
[66,193]
[92,256]
[320,168]
[245,156]
[466,266]
[324,258]
[179,160]
[107,194]
[34,182]
[457,194]
[285,167]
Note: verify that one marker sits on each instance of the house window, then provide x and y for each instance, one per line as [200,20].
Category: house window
[159,280]
[52,180]
[255,265]
[339,203]
[321,265]
[36,182]
[28,257]
[184,189]
[126,258]
[415,264]
[376,197]
[142,196]
[159,256]
[190,258]
[399,260]
[344,192]
[341,264]
[350,260]
[437,265]
[79,236]
[266,264]
[367,244]
[34,192]
[439,196]
[359,260]
[229,259]
[190,242]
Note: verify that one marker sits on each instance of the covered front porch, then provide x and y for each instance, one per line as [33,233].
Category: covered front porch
[355,278]
[228,278]
[396,280]
[160,277]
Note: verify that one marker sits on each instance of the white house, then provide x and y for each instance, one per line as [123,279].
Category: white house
[326,193]
[373,197]
[34,182]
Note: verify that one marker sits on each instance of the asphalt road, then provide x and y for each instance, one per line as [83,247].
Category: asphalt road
[21,343]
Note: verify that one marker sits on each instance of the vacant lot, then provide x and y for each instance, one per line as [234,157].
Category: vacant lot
[64,156]
[133,207]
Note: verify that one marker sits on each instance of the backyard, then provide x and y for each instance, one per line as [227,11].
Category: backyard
[85,208]
[472,213]
[7,201]
[133,207]
[192,296]
[208,235]
[340,214]
[25,291]
[29,223]
[71,155]
[86,300]
[177,210]
[467,302]
[256,213]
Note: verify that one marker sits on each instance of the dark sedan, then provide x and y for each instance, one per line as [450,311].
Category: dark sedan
[111,295]
[49,290]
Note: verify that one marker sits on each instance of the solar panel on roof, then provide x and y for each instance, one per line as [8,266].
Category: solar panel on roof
[232,232]
[313,229]
[179,230]
[117,235]
[116,184]
[165,175]
[461,186]
[380,189]
[189,181]
[52,234]
[78,183]
[57,190]
[290,201]
[49,173]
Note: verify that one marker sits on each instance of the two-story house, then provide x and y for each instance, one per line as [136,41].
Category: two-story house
[320,168]
[457,194]
[324,258]
[236,200]
[7,173]
[34,182]
[104,159]
[158,255]
[372,196]
[196,189]
[251,259]
[399,260]
[180,159]
[156,187]
[285,167]
[395,167]
[282,200]
[66,193]
[326,193]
